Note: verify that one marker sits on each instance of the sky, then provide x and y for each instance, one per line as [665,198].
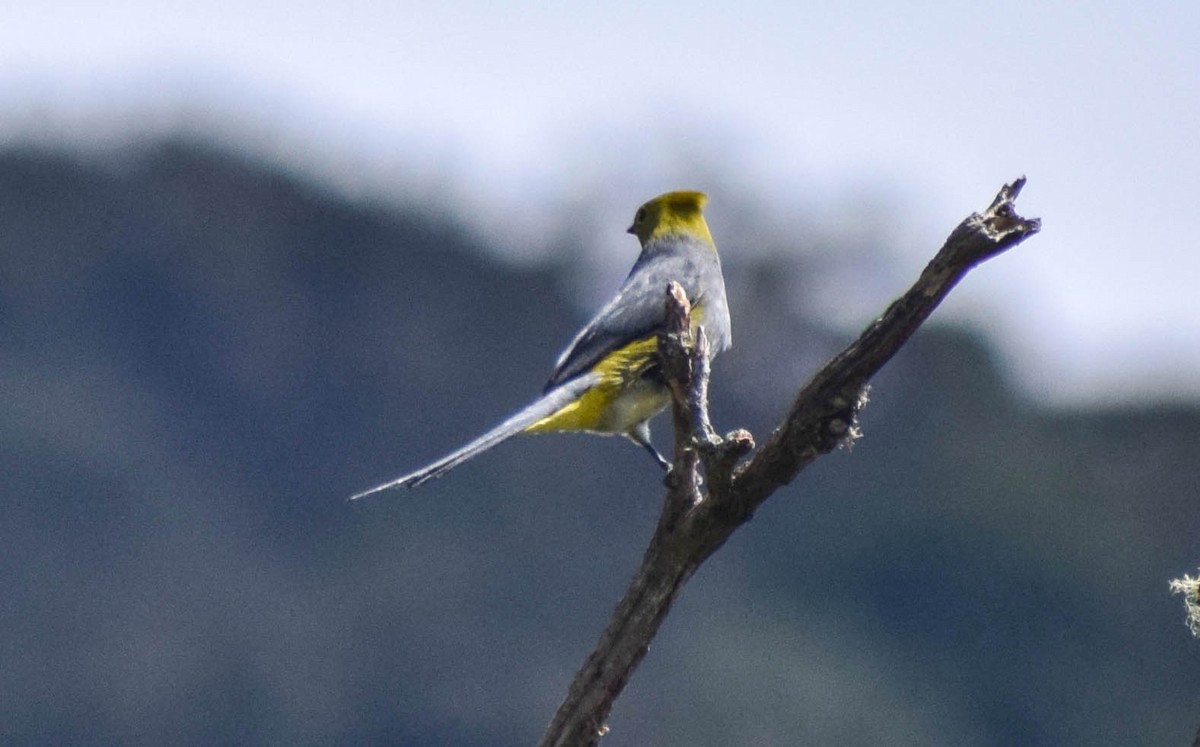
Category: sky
[517,114]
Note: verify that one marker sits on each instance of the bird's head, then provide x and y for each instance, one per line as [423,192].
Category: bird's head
[672,213]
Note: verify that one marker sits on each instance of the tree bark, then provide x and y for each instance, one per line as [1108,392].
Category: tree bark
[711,492]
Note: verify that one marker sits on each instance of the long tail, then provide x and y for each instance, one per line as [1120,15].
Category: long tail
[548,404]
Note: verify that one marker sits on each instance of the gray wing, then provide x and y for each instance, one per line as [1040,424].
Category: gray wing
[636,312]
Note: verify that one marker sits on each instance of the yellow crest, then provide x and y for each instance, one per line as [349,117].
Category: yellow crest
[672,213]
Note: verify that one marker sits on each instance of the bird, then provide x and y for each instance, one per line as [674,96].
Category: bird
[609,379]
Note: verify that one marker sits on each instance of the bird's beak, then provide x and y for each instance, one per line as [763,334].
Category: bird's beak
[630,229]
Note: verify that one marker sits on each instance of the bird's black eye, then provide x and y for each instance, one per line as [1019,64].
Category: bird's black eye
[640,217]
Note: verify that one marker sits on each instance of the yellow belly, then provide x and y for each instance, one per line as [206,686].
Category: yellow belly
[623,397]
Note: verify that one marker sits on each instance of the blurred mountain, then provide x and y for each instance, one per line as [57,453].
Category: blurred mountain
[200,357]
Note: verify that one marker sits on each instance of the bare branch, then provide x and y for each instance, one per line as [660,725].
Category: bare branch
[708,497]
[824,413]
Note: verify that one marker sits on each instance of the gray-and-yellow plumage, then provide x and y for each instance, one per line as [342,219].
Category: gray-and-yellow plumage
[608,380]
